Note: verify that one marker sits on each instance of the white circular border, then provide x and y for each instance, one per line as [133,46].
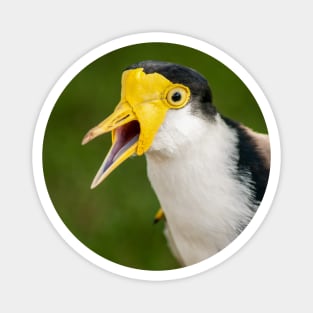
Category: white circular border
[38,164]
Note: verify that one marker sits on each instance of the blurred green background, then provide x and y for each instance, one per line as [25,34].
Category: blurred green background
[115,219]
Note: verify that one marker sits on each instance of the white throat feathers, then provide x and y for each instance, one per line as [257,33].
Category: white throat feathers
[192,166]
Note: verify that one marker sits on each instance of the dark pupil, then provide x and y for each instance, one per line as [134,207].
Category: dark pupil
[176,96]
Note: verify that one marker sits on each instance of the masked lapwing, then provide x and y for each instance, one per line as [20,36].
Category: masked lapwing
[208,171]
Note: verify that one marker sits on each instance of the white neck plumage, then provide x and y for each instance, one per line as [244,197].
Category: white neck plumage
[192,167]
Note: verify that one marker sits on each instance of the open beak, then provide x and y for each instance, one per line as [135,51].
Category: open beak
[125,134]
[136,119]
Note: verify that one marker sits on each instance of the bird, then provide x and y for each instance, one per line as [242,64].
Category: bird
[208,171]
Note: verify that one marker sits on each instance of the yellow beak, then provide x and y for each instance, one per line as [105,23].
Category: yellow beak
[125,133]
[135,120]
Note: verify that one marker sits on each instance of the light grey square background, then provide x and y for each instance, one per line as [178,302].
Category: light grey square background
[272,40]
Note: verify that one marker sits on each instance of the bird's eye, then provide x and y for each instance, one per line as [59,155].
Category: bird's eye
[177,97]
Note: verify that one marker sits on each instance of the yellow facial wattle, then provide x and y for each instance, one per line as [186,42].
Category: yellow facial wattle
[145,98]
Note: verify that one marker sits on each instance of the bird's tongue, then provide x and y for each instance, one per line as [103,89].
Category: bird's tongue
[125,141]
[126,136]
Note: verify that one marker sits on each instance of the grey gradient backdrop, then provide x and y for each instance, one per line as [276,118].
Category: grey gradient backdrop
[39,272]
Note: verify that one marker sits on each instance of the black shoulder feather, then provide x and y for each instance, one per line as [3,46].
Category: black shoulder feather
[250,160]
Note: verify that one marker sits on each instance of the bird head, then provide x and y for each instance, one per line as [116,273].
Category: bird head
[152,93]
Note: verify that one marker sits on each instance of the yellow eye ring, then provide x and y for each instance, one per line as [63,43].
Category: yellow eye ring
[178,96]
